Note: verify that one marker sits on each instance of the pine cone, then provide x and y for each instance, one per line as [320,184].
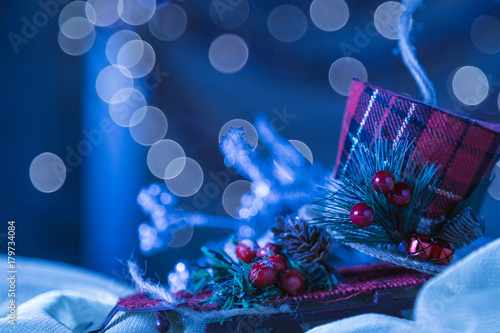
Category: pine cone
[303,243]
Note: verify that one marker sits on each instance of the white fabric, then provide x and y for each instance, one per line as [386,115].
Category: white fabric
[56,297]
[464,298]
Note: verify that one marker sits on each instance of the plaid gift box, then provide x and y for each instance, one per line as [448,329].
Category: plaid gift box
[466,149]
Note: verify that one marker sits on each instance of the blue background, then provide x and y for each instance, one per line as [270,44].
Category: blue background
[49,98]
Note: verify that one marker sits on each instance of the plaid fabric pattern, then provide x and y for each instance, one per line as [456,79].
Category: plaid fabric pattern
[466,149]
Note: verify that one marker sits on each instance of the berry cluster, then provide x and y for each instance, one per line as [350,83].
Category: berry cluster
[269,267]
[398,193]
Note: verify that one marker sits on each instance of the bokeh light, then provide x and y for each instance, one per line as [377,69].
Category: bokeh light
[151,128]
[494,188]
[180,267]
[251,135]
[470,85]
[102,12]
[303,149]
[71,10]
[231,198]
[177,279]
[329,15]
[124,103]
[343,71]
[228,53]
[485,34]
[169,22]
[189,181]
[111,80]
[287,23]
[116,42]
[47,172]
[136,59]
[246,232]
[230,14]
[136,12]
[386,19]
[180,234]
[76,47]
[77,34]
[77,27]
[148,237]
[161,154]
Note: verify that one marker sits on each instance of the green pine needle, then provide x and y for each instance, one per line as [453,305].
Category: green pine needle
[392,224]
[233,289]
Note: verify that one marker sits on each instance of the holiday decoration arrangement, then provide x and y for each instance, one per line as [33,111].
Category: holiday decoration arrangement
[403,168]
[381,197]
[398,193]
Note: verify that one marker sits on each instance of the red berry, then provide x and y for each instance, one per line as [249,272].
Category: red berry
[291,282]
[278,261]
[262,274]
[362,215]
[401,196]
[268,250]
[246,250]
[383,181]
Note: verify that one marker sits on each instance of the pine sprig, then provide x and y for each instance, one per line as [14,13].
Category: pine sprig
[218,270]
[231,286]
[392,224]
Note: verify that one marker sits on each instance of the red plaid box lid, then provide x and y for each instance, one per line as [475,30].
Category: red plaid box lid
[466,149]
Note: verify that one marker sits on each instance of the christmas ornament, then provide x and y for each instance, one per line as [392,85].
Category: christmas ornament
[291,282]
[304,243]
[278,261]
[401,195]
[383,181]
[362,215]
[424,247]
[246,250]
[419,246]
[262,274]
[268,250]
[441,252]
